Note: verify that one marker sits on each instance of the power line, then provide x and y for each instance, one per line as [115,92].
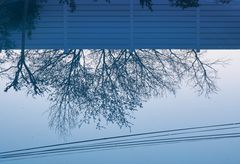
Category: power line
[132,144]
[116,142]
[122,136]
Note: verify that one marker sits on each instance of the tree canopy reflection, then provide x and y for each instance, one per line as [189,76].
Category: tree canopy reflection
[104,85]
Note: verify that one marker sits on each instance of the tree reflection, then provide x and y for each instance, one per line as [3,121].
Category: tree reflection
[193,3]
[104,85]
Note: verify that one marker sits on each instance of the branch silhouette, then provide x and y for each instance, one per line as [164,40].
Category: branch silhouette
[105,85]
[98,85]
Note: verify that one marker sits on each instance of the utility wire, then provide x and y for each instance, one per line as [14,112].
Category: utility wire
[137,144]
[123,147]
[125,142]
[121,136]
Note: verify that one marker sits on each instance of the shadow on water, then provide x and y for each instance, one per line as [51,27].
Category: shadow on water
[97,84]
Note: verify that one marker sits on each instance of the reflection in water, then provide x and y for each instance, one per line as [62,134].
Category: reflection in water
[96,85]
[104,85]
[16,15]
[193,3]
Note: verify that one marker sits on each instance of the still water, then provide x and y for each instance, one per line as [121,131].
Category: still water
[79,70]
[24,123]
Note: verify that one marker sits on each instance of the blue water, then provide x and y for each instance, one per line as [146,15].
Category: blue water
[24,123]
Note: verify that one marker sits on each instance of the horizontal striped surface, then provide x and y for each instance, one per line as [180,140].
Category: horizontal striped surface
[120,24]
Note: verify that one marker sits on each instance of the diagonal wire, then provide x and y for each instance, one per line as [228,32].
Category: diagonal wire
[116,142]
[123,140]
[139,143]
[121,136]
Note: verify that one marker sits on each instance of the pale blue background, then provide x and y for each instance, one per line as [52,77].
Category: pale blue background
[24,123]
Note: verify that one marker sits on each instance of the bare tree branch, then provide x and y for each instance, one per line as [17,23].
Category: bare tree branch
[106,85]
